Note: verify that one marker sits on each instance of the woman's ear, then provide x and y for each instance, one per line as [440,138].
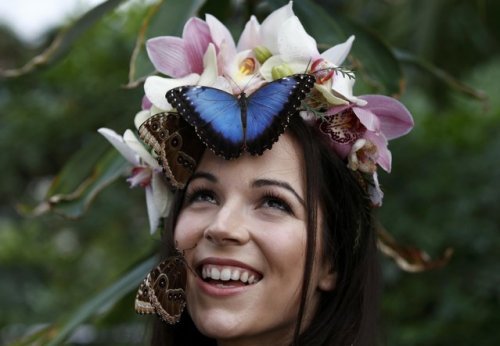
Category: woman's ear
[328,278]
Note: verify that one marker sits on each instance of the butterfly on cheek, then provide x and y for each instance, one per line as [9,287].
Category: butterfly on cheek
[163,290]
[175,144]
[230,125]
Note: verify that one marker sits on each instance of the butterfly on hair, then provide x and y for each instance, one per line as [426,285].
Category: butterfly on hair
[162,291]
[230,125]
[176,145]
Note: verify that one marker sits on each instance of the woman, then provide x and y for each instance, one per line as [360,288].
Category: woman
[275,230]
[300,225]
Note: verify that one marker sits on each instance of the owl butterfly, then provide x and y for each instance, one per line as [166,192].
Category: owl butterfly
[162,291]
[230,125]
[176,145]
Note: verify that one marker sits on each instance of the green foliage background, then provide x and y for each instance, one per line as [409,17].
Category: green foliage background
[443,190]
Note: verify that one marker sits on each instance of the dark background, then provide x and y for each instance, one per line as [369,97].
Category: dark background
[443,190]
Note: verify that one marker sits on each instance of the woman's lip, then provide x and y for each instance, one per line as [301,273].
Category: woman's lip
[216,290]
[219,291]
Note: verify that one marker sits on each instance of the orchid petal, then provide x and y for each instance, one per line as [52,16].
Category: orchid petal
[222,83]
[196,36]
[156,88]
[145,104]
[167,53]
[337,109]
[141,117]
[395,119]
[271,27]
[339,52]
[131,140]
[117,141]
[384,155]
[343,87]
[141,176]
[329,96]
[367,118]
[221,35]
[294,43]
[210,72]
[342,149]
[162,195]
[250,37]
[153,214]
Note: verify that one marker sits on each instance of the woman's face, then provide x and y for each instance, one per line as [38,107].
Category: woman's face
[247,221]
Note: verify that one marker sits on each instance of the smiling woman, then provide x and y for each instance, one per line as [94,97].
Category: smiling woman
[281,247]
[270,238]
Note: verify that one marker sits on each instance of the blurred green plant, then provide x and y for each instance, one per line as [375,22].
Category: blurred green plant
[442,192]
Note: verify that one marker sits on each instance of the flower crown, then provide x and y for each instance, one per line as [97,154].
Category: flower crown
[278,56]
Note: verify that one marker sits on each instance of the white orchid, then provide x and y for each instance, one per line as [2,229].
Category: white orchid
[145,172]
[295,51]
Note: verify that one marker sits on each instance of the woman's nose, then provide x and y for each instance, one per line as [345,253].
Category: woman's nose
[228,226]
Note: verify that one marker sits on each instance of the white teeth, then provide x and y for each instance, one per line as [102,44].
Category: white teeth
[235,275]
[215,273]
[228,273]
[225,274]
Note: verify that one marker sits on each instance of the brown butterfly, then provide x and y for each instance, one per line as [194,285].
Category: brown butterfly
[176,144]
[162,291]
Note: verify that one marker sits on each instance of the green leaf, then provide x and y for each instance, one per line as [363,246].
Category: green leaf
[89,171]
[64,40]
[441,75]
[57,334]
[373,58]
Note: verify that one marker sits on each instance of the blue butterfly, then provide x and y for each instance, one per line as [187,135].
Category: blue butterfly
[230,125]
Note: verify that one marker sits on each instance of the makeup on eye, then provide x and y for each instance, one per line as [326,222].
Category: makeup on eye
[199,194]
[272,199]
[272,193]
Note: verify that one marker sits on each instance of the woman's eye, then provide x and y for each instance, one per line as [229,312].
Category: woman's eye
[198,196]
[277,203]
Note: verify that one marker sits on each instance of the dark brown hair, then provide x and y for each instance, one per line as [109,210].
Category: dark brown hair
[348,314]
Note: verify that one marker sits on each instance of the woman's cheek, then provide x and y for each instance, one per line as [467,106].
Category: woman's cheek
[187,230]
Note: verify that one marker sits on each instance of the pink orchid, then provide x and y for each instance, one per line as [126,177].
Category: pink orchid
[177,57]
[381,119]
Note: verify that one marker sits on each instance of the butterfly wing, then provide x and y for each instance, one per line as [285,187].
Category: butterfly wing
[270,107]
[215,114]
[142,303]
[175,143]
[162,291]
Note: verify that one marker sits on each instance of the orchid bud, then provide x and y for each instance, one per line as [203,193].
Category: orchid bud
[262,53]
[281,71]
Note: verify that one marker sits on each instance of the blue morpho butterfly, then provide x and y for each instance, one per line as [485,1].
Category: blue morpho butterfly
[230,125]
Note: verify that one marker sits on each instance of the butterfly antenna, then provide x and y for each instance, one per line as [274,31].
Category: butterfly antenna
[234,83]
[309,63]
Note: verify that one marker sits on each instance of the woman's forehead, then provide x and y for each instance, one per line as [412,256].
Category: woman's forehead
[283,161]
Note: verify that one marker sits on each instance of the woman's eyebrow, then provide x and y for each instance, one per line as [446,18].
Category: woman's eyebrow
[278,183]
[204,175]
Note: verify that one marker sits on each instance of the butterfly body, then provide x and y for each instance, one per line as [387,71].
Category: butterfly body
[162,291]
[230,125]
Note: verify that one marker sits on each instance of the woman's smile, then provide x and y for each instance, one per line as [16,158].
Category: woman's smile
[223,277]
